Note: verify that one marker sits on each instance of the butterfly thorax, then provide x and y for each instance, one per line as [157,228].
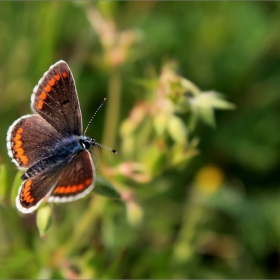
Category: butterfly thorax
[60,155]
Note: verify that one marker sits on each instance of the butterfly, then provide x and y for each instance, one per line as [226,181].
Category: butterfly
[49,145]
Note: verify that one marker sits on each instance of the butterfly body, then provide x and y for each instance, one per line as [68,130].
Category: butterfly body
[49,146]
[58,156]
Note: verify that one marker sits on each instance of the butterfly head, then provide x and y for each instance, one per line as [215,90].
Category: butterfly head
[87,142]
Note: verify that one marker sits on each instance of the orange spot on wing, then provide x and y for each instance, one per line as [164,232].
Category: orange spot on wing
[57,77]
[88,182]
[20,130]
[28,199]
[64,74]
[43,95]
[40,105]
[24,159]
[26,189]
[52,82]
[62,189]
[47,88]
[28,183]
[17,137]
[67,189]
[20,152]
[18,144]
[18,134]
[59,189]
[26,194]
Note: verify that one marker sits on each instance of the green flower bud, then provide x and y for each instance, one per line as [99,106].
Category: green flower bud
[177,129]
[43,219]
[134,213]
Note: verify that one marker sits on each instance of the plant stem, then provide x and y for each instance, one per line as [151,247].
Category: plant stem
[84,226]
[112,111]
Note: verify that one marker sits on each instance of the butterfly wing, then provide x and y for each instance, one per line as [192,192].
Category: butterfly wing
[29,139]
[77,179]
[33,191]
[55,99]
[61,185]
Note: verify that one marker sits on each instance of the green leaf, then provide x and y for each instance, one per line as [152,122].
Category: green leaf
[16,184]
[204,104]
[105,188]
[5,182]
[207,116]
[218,102]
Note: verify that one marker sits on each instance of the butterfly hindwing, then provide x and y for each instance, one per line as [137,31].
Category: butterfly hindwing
[77,179]
[64,184]
[33,191]
[55,99]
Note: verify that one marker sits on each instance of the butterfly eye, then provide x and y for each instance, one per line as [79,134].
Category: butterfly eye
[85,144]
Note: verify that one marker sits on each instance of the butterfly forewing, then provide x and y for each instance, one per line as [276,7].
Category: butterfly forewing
[55,99]
[31,138]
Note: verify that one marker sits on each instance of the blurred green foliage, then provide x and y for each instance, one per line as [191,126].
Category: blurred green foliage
[194,191]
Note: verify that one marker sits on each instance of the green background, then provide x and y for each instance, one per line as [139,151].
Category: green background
[231,47]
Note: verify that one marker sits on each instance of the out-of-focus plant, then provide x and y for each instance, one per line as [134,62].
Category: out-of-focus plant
[117,50]
[156,136]
[117,46]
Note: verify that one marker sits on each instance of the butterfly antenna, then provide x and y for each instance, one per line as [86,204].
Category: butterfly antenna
[107,148]
[103,102]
